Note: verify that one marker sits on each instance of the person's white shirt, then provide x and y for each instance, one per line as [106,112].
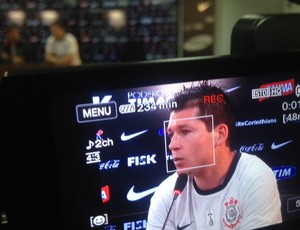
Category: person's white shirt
[68,45]
[247,199]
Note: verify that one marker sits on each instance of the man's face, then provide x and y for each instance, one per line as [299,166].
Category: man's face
[190,142]
[57,31]
[14,35]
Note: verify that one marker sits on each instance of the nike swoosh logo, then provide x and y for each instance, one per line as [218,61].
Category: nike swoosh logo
[125,137]
[277,146]
[183,227]
[134,196]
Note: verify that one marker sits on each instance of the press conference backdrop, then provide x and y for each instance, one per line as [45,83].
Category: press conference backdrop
[112,154]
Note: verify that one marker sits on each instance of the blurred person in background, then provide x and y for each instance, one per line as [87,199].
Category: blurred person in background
[62,47]
[14,50]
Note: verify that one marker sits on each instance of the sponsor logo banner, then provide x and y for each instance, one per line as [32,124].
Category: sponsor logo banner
[284,172]
[279,88]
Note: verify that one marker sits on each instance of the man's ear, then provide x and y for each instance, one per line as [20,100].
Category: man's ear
[221,134]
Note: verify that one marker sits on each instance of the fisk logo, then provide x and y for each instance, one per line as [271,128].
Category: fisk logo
[134,225]
[105,194]
[284,172]
[141,160]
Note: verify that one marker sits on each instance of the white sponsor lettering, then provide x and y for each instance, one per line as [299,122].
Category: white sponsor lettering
[135,225]
[141,160]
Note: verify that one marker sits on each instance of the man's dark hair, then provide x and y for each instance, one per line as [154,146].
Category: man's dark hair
[211,100]
[59,23]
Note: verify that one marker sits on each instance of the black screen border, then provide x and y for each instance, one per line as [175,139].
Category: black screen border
[26,97]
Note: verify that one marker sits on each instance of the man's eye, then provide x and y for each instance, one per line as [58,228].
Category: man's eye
[185,132]
[170,135]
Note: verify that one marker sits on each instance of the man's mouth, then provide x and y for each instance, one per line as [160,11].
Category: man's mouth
[178,160]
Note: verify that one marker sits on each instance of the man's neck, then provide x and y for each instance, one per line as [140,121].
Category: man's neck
[211,177]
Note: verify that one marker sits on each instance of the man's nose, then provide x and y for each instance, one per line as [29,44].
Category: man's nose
[174,143]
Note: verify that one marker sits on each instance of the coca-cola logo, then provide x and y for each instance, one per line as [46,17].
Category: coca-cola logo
[257,147]
[111,164]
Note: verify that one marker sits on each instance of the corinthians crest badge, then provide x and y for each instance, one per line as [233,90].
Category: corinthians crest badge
[232,216]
